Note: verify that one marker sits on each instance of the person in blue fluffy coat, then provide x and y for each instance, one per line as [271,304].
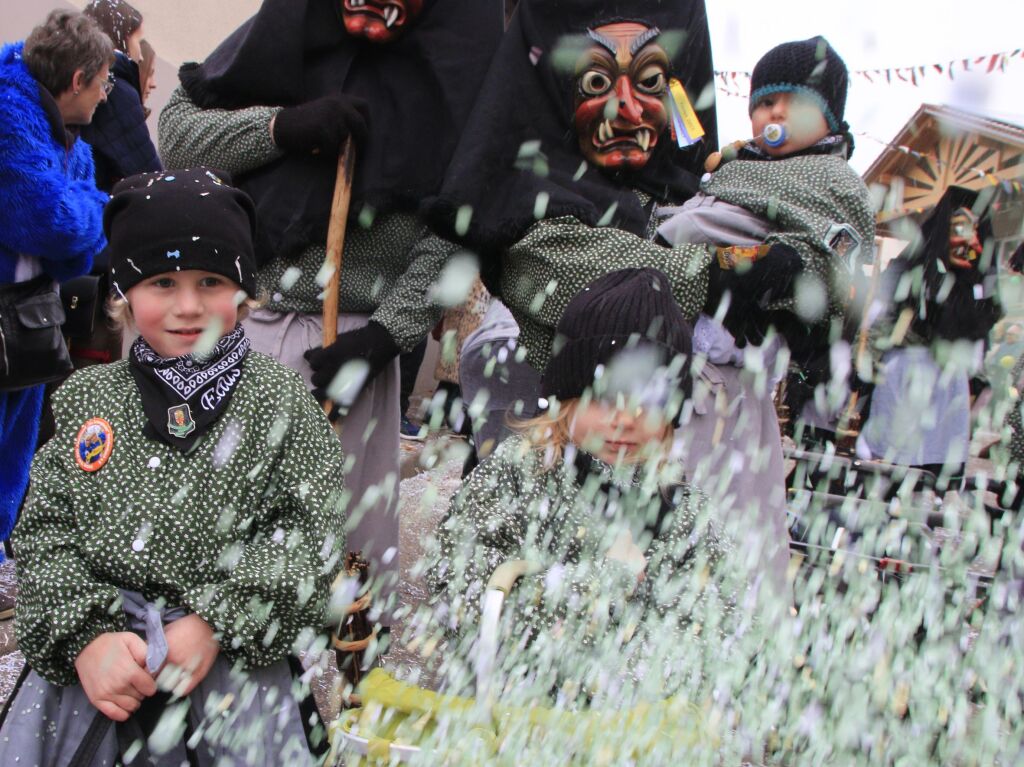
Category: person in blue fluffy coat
[51,219]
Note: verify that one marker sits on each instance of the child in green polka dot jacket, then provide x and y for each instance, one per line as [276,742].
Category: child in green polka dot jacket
[792,178]
[590,494]
[185,522]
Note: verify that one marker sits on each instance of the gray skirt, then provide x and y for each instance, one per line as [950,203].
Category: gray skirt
[369,437]
[231,717]
[46,725]
[733,452]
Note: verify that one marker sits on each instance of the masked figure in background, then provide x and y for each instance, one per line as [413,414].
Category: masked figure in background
[942,304]
[274,104]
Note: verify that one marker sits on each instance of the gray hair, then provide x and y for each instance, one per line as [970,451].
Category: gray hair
[67,41]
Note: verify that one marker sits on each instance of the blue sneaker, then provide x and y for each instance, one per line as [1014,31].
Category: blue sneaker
[409,430]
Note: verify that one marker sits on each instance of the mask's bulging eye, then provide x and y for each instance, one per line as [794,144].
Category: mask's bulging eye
[595,83]
[651,80]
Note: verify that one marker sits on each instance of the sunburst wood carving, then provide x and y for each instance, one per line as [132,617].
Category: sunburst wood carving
[960,159]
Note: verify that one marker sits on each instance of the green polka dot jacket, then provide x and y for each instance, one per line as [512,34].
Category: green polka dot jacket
[389,262]
[576,608]
[802,196]
[246,530]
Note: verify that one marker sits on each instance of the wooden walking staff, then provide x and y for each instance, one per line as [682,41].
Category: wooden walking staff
[353,636]
[336,244]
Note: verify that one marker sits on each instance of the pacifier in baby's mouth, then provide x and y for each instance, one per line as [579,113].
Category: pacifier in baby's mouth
[774,134]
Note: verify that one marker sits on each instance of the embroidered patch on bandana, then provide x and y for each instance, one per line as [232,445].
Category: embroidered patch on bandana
[93,445]
[179,421]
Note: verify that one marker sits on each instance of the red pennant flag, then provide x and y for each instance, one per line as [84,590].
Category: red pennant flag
[938,68]
[992,63]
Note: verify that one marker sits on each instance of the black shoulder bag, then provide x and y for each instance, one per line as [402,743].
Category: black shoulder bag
[32,347]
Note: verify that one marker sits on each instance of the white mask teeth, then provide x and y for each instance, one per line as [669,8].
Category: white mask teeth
[390,16]
[604,131]
[357,3]
[643,138]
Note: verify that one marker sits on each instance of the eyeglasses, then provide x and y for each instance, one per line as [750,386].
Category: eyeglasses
[108,85]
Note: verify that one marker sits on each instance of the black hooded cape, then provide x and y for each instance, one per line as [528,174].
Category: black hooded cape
[970,308]
[528,96]
[420,89]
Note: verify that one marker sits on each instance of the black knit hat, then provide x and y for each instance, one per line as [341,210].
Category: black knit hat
[621,310]
[811,67]
[176,220]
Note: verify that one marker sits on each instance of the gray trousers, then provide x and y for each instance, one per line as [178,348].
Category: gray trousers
[369,436]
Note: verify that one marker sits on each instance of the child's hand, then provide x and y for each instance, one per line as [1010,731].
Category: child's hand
[112,670]
[192,649]
[624,550]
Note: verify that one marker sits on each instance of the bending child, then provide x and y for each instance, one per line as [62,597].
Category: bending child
[184,523]
[591,494]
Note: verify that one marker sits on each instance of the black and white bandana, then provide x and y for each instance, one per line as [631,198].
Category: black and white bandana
[183,396]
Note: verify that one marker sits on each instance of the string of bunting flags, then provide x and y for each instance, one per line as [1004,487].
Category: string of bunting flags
[737,83]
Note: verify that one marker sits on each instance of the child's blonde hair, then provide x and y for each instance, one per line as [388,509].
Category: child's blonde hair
[549,433]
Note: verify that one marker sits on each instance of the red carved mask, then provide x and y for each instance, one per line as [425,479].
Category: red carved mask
[379,21]
[964,246]
[621,85]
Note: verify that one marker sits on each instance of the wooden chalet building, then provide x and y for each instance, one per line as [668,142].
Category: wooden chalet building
[941,147]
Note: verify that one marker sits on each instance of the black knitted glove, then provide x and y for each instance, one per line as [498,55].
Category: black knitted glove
[322,125]
[372,343]
[770,278]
